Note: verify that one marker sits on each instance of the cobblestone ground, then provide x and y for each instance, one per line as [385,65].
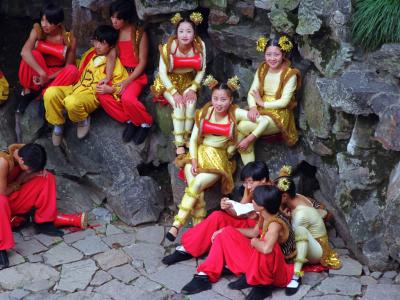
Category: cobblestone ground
[114,261]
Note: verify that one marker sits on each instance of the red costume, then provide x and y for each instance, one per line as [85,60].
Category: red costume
[49,63]
[233,249]
[197,240]
[129,108]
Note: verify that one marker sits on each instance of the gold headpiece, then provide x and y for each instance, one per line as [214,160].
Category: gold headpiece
[285,171]
[261,43]
[210,82]
[233,83]
[176,19]
[285,44]
[283,184]
[196,18]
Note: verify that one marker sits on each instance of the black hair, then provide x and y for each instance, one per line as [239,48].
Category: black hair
[124,10]
[257,170]
[106,33]
[34,156]
[186,18]
[269,197]
[275,42]
[54,14]
[291,191]
[223,86]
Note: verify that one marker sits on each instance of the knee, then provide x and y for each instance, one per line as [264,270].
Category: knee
[49,95]
[217,215]
[71,104]
[301,233]
[242,126]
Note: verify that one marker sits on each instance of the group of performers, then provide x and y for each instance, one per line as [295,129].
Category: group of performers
[284,225]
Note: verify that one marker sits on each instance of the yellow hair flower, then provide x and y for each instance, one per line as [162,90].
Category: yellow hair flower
[285,44]
[210,82]
[285,171]
[233,83]
[261,43]
[283,184]
[176,19]
[196,18]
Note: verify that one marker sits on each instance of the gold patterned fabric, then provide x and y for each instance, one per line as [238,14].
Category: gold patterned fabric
[180,81]
[329,257]
[215,160]
[284,120]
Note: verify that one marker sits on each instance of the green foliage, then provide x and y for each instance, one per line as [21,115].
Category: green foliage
[376,22]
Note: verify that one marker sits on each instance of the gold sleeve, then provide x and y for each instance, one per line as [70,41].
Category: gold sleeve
[261,121]
[200,74]
[254,87]
[287,94]
[162,70]
[193,142]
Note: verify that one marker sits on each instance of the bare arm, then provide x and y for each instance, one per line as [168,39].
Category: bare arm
[26,52]
[71,53]
[110,64]
[266,245]
[250,232]
[143,56]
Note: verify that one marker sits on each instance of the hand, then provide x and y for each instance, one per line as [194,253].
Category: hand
[190,96]
[253,114]
[123,86]
[215,234]
[244,144]
[287,212]
[254,242]
[225,204]
[257,96]
[194,167]
[179,100]
[41,79]
[104,89]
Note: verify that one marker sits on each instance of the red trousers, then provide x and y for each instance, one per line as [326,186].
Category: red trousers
[39,193]
[129,108]
[233,249]
[69,74]
[197,240]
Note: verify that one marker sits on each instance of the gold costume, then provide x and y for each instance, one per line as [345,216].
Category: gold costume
[3,88]
[312,240]
[179,80]
[277,91]
[212,153]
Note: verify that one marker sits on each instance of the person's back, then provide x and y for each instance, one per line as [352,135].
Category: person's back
[309,218]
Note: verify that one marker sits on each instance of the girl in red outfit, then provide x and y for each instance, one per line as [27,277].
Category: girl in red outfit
[255,252]
[133,51]
[48,56]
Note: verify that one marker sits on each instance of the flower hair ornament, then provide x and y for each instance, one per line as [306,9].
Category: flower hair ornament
[285,171]
[285,44]
[283,184]
[176,19]
[196,18]
[232,83]
[261,43]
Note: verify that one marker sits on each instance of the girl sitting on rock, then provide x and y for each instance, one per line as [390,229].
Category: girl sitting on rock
[272,93]
[181,70]
[214,138]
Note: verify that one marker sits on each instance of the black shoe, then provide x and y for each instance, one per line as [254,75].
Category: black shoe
[48,228]
[23,101]
[239,284]
[4,263]
[140,135]
[226,271]
[198,284]
[259,293]
[129,132]
[293,290]
[176,257]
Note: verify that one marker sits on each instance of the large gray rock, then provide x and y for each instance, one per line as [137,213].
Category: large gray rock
[386,59]
[309,22]
[150,8]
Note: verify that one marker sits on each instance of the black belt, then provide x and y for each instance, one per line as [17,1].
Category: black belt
[130,69]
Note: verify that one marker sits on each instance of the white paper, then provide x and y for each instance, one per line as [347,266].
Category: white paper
[240,208]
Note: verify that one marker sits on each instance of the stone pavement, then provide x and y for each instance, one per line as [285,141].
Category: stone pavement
[114,261]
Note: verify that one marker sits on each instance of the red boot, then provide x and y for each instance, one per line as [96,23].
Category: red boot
[75,220]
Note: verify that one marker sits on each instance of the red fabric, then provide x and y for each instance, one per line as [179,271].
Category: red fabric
[233,249]
[314,268]
[39,193]
[6,235]
[68,76]
[197,240]
[127,54]
[129,108]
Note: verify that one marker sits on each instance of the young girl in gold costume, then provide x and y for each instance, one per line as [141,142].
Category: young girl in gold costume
[310,232]
[214,138]
[181,70]
[272,93]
